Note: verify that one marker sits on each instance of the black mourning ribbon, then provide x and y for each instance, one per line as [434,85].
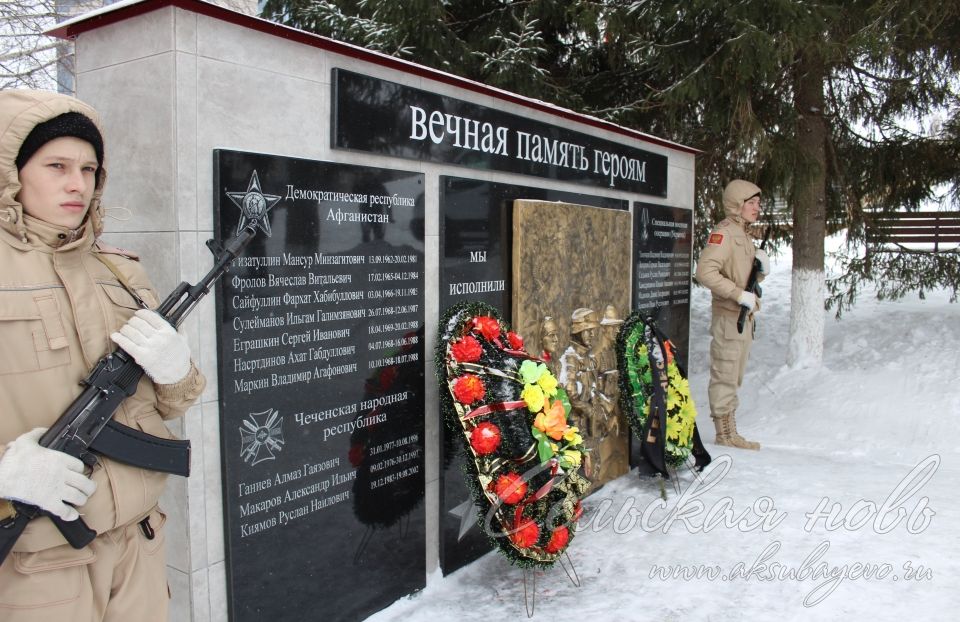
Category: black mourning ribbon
[653,445]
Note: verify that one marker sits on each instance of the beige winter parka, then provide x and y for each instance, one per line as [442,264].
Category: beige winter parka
[727,259]
[58,305]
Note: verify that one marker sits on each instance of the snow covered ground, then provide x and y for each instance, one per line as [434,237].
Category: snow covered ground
[848,512]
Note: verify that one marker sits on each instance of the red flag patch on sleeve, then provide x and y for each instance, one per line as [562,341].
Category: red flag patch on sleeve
[715,238]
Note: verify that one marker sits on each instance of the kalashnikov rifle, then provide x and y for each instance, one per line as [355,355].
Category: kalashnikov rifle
[753,285]
[87,427]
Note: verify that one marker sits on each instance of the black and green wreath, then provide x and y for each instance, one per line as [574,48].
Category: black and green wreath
[655,396]
[523,458]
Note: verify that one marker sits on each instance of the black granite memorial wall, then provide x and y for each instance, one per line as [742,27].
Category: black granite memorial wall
[321,379]
[662,247]
[475,264]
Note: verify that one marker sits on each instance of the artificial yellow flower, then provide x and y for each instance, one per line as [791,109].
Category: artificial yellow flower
[689,415]
[548,383]
[573,457]
[572,435]
[533,396]
[673,400]
[674,429]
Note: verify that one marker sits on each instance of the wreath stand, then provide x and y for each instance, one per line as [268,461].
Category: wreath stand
[673,475]
[530,582]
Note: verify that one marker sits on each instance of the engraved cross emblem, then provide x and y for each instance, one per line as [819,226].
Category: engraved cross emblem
[260,436]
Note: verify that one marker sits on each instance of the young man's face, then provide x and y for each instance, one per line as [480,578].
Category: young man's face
[58,182]
[751,209]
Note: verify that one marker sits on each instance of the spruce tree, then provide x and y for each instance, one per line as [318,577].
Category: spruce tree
[819,103]
[807,99]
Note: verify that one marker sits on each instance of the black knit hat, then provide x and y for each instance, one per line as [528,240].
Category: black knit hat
[68,124]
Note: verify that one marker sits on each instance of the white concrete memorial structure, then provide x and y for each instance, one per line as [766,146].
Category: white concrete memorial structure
[175,80]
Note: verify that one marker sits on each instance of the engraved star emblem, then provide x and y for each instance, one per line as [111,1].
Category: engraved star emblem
[468,517]
[254,205]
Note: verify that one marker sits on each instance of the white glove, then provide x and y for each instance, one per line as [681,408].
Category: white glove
[748,300]
[764,261]
[157,347]
[46,478]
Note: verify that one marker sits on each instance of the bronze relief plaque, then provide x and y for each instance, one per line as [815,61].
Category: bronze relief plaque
[571,291]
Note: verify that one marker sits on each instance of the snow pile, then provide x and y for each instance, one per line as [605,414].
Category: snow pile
[889,381]
[847,512]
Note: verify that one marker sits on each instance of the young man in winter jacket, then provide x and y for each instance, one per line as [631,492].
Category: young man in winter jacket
[66,300]
[724,268]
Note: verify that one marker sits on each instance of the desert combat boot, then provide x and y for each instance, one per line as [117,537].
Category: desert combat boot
[728,436]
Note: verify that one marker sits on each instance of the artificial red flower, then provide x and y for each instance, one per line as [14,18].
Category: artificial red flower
[466,350]
[487,326]
[485,438]
[468,389]
[558,540]
[525,533]
[516,341]
[577,511]
[511,488]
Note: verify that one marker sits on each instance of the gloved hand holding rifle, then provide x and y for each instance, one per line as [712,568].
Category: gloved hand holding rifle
[748,300]
[42,472]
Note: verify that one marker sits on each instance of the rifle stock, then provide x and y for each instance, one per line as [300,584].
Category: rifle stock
[113,379]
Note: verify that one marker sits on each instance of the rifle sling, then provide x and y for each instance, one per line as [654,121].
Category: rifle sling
[122,279]
[146,451]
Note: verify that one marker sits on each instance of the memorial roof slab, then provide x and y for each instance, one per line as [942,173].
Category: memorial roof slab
[127,9]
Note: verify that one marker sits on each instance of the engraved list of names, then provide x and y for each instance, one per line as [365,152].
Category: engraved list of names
[663,243]
[321,380]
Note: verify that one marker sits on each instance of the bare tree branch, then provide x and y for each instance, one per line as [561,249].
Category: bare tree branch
[28,57]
